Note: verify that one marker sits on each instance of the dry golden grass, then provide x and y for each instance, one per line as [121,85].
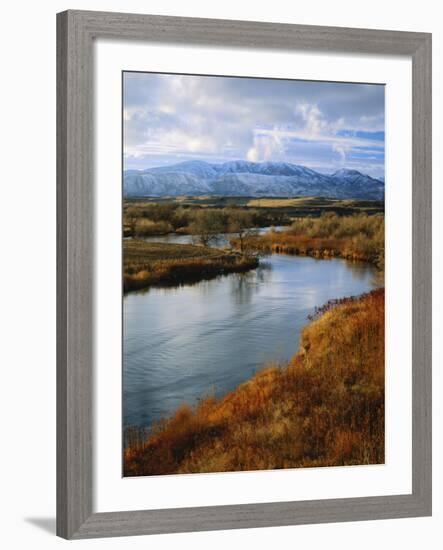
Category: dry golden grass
[327,204]
[270,202]
[324,408]
[145,227]
[148,263]
[358,237]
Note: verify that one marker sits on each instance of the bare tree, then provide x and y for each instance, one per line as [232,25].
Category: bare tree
[206,226]
[240,222]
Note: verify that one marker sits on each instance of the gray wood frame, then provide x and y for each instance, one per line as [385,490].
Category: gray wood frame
[76,31]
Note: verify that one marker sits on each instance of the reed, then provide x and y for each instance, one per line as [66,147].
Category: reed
[324,408]
[359,237]
[150,263]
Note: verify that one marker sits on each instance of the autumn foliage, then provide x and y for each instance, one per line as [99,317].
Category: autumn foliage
[324,408]
[358,237]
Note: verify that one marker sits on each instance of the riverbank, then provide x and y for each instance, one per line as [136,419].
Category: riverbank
[324,408]
[151,263]
[358,237]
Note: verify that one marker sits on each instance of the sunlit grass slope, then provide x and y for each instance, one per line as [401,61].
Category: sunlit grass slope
[324,408]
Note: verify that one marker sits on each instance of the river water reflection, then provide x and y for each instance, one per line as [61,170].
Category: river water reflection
[183,343]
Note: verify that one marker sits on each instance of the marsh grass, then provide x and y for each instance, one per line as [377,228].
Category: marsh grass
[149,263]
[324,408]
[358,237]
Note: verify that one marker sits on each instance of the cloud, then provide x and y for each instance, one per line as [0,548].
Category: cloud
[341,150]
[266,146]
[315,123]
[171,117]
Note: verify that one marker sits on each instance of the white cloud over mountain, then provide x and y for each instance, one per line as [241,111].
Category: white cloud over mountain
[322,125]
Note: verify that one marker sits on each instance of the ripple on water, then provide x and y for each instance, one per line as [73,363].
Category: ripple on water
[183,343]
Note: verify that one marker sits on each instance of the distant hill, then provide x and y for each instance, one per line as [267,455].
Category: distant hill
[243,178]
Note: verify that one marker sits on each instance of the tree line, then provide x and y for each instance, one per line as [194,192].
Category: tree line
[204,224]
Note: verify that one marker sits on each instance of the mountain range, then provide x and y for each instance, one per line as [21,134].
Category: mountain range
[244,178]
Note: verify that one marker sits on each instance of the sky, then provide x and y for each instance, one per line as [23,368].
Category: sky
[322,125]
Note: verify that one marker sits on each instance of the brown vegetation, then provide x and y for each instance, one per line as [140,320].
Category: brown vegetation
[175,214]
[148,263]
[324,408]
[140,220]
[357,237]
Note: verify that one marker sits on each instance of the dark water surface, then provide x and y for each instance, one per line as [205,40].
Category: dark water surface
[183,343]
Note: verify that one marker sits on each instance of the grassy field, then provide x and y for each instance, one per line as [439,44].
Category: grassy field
[265,202]
[357,237]
[314,205]
[324,408]
[150,263]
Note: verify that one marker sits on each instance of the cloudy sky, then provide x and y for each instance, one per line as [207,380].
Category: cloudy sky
[322,125]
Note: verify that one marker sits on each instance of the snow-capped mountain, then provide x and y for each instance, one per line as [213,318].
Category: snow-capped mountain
[243,178]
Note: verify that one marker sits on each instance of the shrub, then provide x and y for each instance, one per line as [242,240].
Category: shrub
[357,237]
[324,408]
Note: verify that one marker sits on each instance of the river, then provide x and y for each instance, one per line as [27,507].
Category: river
[183,343]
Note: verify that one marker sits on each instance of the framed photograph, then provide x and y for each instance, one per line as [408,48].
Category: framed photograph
[244,274]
